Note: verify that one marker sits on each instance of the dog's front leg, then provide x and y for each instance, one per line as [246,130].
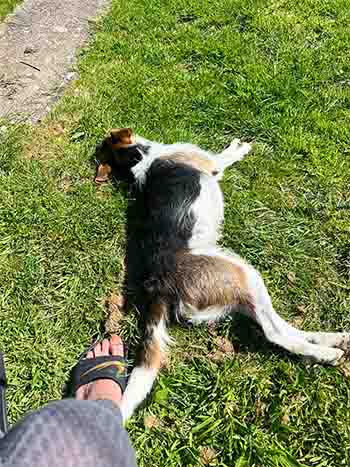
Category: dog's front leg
[233,153]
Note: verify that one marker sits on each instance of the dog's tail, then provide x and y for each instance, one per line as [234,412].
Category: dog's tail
[150,358]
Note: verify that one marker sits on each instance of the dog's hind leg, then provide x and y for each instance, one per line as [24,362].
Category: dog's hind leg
[150,358]
[218,282]
[281,333]
[341,340]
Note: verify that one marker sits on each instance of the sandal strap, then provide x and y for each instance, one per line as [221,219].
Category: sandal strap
[3,385]
[104,367]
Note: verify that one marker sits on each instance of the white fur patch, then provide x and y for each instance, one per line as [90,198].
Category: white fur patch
[161,335]
[141,380]
[140,169]
[212,313]
[157,150]
[139,386]
[208,210]
[219,252]
[234,153]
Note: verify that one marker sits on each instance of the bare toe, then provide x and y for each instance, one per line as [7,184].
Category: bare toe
[98,350]
[116,345]
[105,347]
[80,393]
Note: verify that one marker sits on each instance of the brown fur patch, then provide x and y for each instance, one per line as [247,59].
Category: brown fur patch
[151,355]
[195,160]
[108,154]
[104,171]
[121,137]
[205,281]
[157,311]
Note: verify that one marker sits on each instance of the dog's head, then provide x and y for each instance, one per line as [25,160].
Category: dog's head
[117,154]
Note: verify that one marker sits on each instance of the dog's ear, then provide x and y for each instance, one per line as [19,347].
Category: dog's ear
[121,137]
[117,154]
[103,172]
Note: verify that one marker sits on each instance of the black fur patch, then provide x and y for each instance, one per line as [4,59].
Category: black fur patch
[126,158]
[122,160]
[166,226]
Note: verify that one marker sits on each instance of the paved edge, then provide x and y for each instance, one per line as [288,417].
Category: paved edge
[38,45]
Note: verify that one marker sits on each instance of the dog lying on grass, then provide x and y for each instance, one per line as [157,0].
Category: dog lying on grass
[187,275]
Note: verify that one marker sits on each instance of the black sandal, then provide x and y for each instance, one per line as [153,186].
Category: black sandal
[3,386]
[88,370]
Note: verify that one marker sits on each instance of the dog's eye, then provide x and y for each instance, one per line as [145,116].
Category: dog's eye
[215,172]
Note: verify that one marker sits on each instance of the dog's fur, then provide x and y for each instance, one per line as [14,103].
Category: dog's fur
[186,274]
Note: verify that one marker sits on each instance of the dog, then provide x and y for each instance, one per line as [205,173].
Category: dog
[186,274]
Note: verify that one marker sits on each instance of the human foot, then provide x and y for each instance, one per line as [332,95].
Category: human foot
[103,388]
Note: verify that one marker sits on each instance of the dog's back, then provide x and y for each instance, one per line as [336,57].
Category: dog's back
[168,195]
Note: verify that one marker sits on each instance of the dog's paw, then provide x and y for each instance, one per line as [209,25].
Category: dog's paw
[344,342]
[326,356]
[244,147]
[333,357]
[233,145]
[339,340]
[239,149]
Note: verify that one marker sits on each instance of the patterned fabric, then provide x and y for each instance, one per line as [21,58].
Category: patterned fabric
[69,433]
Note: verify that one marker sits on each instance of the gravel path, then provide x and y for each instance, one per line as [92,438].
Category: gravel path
[38,44]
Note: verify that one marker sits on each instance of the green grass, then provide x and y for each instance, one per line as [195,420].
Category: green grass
[7,6]
[207,72]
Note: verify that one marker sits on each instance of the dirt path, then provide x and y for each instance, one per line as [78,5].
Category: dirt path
[38,44]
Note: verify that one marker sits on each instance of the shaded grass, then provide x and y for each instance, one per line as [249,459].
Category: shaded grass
[7,6]
[275,72]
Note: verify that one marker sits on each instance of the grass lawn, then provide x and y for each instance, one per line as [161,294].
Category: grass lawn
[207,72]
[7,6]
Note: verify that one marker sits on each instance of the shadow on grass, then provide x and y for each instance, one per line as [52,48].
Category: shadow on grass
[251,338]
